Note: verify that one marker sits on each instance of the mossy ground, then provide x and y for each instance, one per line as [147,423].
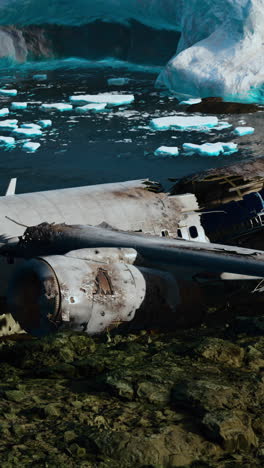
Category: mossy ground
[190,398]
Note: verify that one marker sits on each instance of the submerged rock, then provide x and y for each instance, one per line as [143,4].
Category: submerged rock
[216,105]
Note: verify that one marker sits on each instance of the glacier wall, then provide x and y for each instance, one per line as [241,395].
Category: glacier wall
[220,52]
[154,13]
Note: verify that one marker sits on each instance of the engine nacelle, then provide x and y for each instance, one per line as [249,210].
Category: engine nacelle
[91,290]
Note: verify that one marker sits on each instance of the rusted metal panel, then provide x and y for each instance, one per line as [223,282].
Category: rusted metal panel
[222,185]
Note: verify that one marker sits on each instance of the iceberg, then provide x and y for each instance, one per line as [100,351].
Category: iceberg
[45,123]
[60,106]
[210,149]
[241,131]
[182,122]
[8,124]
[18,105]
[4,112]
[110,99]
[220,52]
[27,132]
[30,147]
[91,107]
[167,151]
[8,92]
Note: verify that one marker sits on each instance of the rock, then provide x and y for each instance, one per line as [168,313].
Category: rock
[15,395]
[232,428]
[216,105]
[52,410]
[203,395]
[154,393]
[221,351]
[123,388]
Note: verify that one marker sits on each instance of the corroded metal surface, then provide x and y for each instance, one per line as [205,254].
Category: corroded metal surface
[223,185]
[133,205]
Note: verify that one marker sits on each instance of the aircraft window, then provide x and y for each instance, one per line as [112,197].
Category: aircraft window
[165,233]
[193,232]
[179,233]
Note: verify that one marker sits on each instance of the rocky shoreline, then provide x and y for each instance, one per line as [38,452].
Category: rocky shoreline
[191,398]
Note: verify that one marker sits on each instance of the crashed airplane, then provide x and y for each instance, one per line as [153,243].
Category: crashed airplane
[130,254]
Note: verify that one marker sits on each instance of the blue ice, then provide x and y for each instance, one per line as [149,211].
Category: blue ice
[211,149]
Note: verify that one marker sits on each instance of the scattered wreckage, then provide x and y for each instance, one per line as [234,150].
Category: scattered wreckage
[130,254]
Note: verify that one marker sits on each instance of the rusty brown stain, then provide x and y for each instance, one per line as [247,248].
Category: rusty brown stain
[103,284]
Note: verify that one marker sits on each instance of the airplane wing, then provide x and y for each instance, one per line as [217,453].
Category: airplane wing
[173,255]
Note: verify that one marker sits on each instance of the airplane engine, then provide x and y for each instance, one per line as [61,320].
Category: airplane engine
[89,290]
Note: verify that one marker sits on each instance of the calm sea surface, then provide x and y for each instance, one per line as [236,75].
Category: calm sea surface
[108,146]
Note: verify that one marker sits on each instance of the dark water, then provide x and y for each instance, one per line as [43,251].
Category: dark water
[109,146]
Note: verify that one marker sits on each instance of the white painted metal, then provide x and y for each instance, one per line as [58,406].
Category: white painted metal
[127,206]
[11,189]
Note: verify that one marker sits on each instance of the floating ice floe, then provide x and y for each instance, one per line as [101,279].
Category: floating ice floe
[7,141]
[60,106]
[241,131]
[108,98]
[31,126]
[8,92]
[27,132]
[222,125]
[4,112]
[182,122]
[18,105]
[211,149]
[40,78]
[45,123]
[30,147]
[190,102]
[118,81]
[8,124]
[167,151]
[91,107]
